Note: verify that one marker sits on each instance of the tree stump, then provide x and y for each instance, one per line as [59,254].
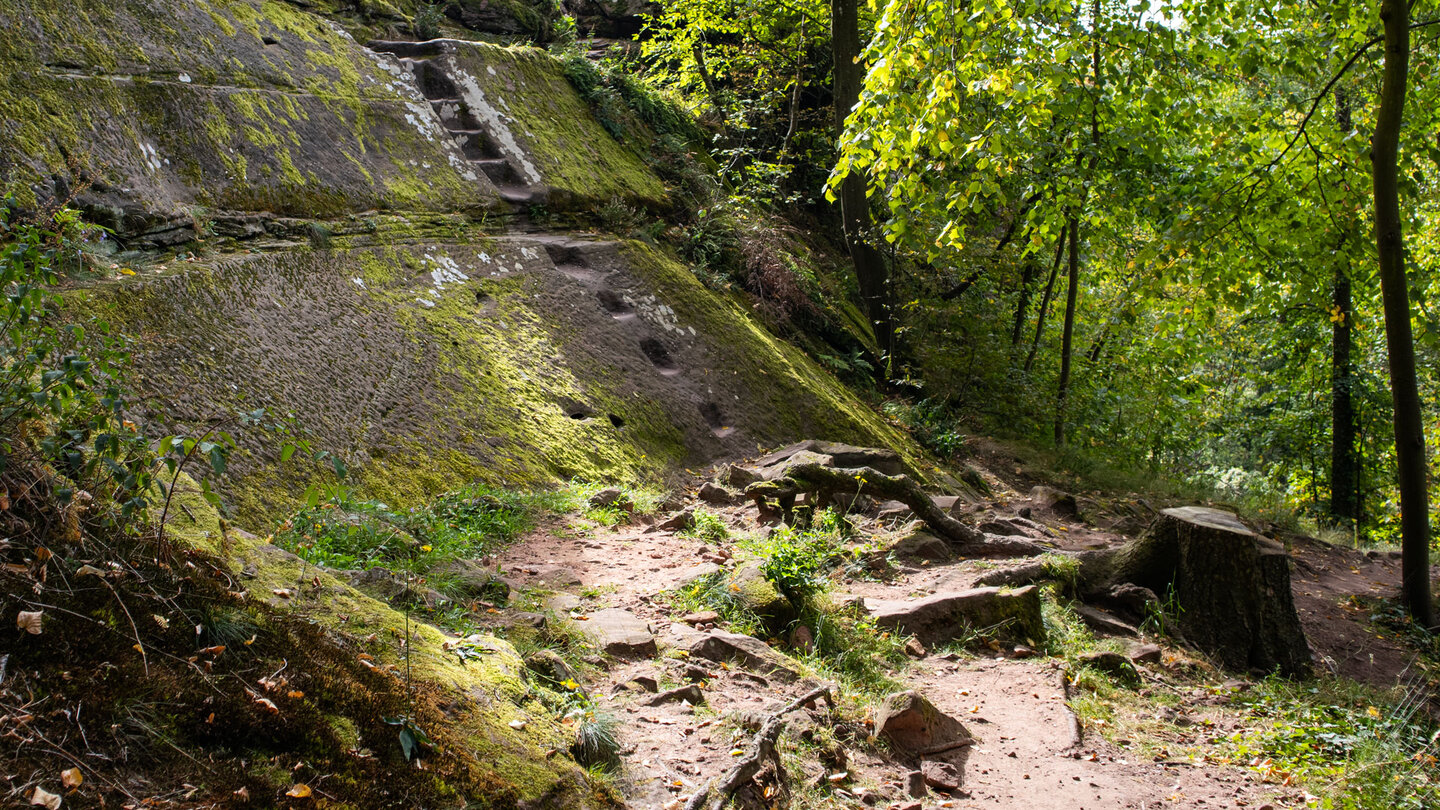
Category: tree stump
[1232,586]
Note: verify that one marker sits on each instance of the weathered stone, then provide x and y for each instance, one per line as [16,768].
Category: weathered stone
[620,633]
[641,683]
[922,546]
[530,18]
[1146,654]
[1104,622]
[883,460]
[915,727]
[701,617]
[471,580]
[894,510]
[941,775]
[716,495]
[612,497]
[1056,503]
[748,652]
[915,785]
[563,602]
[548,665]
[738,477]
[678,522]
[1010,615]
[1112,663]
[689,693]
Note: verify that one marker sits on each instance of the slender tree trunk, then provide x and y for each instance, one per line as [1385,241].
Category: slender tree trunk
[1342,406]
[1045,299]
[870,269]
[1022,303]
[1409,429]
[1067,342]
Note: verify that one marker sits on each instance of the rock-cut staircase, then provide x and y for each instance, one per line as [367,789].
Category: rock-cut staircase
[480,144]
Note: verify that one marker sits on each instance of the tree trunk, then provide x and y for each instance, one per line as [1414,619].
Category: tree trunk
[870,270]
[1045,299]
[1067,341]
[1023,302]
[1409,430]
[1231,587]
[1343,464]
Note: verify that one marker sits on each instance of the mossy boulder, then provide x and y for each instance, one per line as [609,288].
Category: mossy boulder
[747,585]
[471,695]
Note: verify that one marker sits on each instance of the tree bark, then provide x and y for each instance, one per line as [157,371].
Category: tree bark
[1067,341]
[1343,464]
[1231,584]
[1409,429]
[1045,299]
[870,270]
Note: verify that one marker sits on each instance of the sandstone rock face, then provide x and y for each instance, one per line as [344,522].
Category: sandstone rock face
[1011,615]
[915,727]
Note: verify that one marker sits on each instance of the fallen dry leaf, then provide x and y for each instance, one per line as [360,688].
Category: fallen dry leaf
[29,621]
[295,694]
[299,792]
[44,798]
[243,794]
[71,778]
[89,571]
[283,593]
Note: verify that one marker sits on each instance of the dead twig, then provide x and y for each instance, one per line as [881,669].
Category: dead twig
[1077,731]
[762,749]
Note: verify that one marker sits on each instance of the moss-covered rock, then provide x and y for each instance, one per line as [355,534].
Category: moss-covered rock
[515,361]
[495,741]
[154,110]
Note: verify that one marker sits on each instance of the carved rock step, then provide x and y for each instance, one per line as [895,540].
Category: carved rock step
[1010,615]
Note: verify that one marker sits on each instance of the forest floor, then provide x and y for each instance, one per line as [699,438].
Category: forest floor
[1187,735]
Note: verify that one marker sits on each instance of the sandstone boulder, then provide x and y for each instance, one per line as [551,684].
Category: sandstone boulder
[1006,615]
[916,728]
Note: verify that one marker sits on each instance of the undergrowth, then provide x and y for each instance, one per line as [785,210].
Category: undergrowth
[1356,747]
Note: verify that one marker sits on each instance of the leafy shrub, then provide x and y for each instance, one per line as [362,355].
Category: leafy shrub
[61,404]
[796,560]
[708,526]
[428,17]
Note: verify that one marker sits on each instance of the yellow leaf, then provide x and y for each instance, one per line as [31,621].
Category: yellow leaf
[71,778]
[299,792]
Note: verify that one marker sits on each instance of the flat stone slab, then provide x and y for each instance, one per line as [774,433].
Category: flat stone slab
[750,653]
[999,613]
[620,633]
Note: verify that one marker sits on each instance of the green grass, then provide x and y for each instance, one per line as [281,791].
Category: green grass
[707,526]
[1354,746]
[345,532]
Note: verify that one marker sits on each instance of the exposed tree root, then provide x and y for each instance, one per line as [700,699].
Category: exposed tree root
[825,482]
[762,750]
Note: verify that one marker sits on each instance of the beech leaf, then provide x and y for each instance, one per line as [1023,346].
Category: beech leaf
[29,621]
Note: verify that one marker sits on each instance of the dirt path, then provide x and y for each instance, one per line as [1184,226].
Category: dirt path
[1013,707]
